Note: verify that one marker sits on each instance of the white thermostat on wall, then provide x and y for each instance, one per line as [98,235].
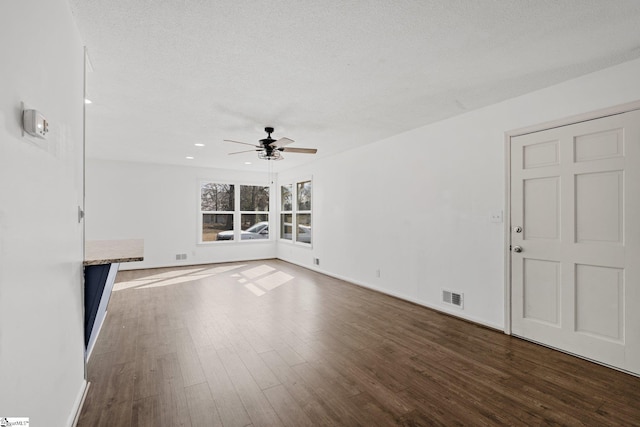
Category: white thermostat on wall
[35,124]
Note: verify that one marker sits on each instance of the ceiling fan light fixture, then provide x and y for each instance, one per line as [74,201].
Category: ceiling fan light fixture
[270,155]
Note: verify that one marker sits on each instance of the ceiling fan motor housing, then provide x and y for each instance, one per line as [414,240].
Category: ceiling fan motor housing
[268,140]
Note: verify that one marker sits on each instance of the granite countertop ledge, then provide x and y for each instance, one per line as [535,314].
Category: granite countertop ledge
[97,252]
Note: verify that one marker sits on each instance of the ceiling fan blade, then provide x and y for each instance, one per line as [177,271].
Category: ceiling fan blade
[245,151]
[281,142]
[238,142]
[298,150]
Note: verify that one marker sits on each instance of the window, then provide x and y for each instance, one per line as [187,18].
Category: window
[286,212]
[230,211]
[303,212]
[296,216]
[254,212]
[217,208]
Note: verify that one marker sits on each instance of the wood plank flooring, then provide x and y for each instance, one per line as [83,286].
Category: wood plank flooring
[267,343]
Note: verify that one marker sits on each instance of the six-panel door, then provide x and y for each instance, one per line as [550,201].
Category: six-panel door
[575,213]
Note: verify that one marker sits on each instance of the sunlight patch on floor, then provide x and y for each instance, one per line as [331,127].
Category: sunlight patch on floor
[175,277]
[221,269]
[257,271]
[262,279]
[169,282]
[274,280]
[120,286]
[256,290]
[172,274]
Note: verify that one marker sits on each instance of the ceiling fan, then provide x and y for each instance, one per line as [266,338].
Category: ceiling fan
[270,149]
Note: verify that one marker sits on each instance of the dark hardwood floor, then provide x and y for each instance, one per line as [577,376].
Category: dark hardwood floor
[268,343]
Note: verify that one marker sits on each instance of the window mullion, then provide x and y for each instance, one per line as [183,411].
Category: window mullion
[237,223]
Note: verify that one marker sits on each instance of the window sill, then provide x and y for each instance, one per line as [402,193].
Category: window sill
[298,244]
[235,242]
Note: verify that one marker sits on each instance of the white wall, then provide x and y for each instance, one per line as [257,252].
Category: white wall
[159,203]
[417,206]
[41,320]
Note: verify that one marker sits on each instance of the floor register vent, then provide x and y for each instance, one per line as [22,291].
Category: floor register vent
[452,298]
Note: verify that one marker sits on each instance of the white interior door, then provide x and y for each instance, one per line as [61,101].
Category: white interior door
[575,216]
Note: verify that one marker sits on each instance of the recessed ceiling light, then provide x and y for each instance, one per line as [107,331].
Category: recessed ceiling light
[198,144]
[87,101]
[189,157]
[247,163]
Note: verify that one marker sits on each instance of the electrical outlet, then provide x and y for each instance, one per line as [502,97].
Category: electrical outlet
[378,273]
[316,261]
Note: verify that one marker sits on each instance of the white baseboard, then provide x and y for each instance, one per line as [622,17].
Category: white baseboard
[77,405]
[454,313]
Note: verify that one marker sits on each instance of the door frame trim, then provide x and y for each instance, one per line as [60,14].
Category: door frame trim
[584,117]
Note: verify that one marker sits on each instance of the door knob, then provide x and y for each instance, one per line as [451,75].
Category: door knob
[517,249]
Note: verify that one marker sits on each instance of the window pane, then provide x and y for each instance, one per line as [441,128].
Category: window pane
[255,226]
[216,197]
[285,197]
[217,227]
[304,228]
[304,196]
[286,226]
[254,198]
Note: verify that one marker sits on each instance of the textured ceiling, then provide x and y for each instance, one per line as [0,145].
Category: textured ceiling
[329,74]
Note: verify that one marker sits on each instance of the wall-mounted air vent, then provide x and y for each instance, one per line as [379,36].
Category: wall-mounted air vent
[452,298]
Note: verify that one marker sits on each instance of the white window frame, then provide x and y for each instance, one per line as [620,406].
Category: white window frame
[201,213]
[285,212]
[237,213]
[241,212]
[294,211]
